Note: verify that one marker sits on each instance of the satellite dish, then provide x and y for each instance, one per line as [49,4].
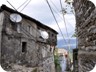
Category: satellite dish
[15,17]
[44,34]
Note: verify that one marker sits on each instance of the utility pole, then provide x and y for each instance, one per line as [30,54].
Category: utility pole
[68,9]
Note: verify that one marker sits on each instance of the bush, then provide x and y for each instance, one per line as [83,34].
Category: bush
[57,63]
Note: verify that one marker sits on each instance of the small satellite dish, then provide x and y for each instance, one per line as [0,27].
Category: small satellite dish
[44,34]
[15,17]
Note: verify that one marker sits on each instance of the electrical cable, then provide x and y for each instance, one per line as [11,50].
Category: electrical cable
[62,19]
[21,27]
[31,39]
[11,5]
[55,19]
[25,5]
[22,4]
[24,29]
[54,5]
[57,12]
[25,20]
[65,26]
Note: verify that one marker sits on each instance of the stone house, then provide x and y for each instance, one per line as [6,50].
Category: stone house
[62,51]
[64,59]
[85,12]
[21,42]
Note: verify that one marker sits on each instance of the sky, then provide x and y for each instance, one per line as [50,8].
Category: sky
[39,10]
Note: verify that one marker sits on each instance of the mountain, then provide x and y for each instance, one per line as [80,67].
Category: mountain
[65,45]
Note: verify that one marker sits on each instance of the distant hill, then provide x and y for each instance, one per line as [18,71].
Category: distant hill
[62,44]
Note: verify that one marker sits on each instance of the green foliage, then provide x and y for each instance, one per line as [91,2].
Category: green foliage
[74,35]
[35,70]
[56,61]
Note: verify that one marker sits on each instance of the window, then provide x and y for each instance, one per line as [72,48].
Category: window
[55,37]
[14,26]
[24,46]
[50,49]
[29,28]
[49,33]
[52,35]
[18,28]
[38,28]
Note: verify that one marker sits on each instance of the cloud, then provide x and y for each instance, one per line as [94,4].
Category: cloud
[39,10]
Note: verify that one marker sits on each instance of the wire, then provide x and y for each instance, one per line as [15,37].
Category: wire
[62,18]
[25,5]
[30,24]
[25,20]
[55,19]
[32,40]
[27,31]
[21,27]
[53,15]
[54,5]
[58,11]
[22,4]
[65,25]
[11,5]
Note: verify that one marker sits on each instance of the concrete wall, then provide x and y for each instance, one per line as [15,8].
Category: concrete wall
[85,13]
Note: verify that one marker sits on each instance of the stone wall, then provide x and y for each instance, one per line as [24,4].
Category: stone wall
[1,22]
[46,57]
[85,12]
[12,41]
[47,65]
[22,47]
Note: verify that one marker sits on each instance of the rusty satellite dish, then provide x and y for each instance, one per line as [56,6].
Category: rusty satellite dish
[15,17]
